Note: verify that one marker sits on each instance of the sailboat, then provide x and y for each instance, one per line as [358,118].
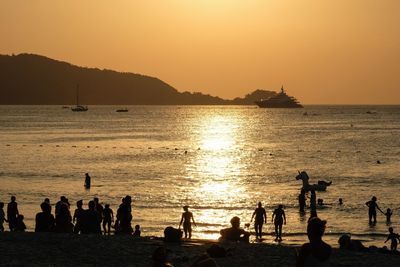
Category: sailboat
[78,108]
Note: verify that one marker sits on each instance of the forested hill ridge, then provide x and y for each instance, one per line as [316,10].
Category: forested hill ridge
[28,79]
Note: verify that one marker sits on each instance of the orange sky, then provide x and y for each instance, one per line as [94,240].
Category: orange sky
[324,52]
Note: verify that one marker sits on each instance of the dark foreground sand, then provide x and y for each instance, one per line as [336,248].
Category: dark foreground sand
[30,249]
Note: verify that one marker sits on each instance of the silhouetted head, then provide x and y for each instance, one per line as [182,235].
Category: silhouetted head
[160,255]
[374,198]
[128,199]
[86,174]
[388,210]
[390,229]
[137,227]
[107,206]
[96,200]
[185,208]
[79,203]
[340,201]
[91,205]
[235,222]
[13,198]
[1,205]
[45,207]
[315,229]
[47,200]
[63,198]
[259,204]
[280,206]
[320,201]
[344,241]
[20,217]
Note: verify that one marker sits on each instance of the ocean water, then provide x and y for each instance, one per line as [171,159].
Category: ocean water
[219,160]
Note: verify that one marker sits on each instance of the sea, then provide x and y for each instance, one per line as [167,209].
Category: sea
[219,160]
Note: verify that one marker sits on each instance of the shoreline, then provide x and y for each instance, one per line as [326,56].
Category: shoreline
[44,249]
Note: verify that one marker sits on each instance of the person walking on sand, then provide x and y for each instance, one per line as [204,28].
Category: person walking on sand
[316,252]
[260,218]
[12,213]
[279,218]
[372,206]
[108,218]
[186,219]
[393,238]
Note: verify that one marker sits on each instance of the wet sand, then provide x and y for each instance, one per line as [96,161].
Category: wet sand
[49,249]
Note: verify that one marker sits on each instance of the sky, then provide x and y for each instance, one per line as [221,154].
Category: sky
[322,51]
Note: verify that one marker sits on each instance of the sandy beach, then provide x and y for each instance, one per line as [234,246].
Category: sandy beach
[47,249]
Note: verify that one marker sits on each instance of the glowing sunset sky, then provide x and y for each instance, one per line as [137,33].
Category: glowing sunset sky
[343,51]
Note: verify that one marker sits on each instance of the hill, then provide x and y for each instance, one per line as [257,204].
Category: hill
[28,79]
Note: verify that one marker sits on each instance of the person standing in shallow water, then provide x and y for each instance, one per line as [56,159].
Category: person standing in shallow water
[279,218]
[260,218]
[87,181]
[316,252]
[186,219]
[302,200]
[372,206]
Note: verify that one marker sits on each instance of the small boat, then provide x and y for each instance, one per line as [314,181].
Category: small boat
[79,108]
[122,110]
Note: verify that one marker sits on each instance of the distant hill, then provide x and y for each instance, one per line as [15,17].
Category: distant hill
[28,79]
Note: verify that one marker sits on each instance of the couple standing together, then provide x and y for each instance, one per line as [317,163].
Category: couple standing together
[260,215]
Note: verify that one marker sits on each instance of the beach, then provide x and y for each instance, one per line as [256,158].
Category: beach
[50,249]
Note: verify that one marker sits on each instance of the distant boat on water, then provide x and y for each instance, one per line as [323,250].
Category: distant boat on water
[79,108]
[281,100]
[122,110]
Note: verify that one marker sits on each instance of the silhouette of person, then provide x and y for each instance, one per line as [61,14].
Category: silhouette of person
[44,221]
[186,218]
[87,181]
[124,216]
[137,231]
[99,208]
[2,217]
[302,200]
[279,218]
[12,213]
[316,252]
[108,217]
[372,206]
[340,201]
[260,218]
[63,201]
[91,220]
[393,238]
[388,215]
[78,217]
[20,225]
[234,233]
[64,220]
[47,200]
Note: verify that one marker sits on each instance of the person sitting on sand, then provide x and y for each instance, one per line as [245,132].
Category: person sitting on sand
[316,252]
[2,217]
[20,225]
[78,216]
[91,220]
[393,237]
[372,206]
[186,219]
[260,218]
[108,217]
[345,242]
[44,221]
[388,215]
[137,231]
[302,200]
[64,220]
[234,233]
[279,218]
[12,213]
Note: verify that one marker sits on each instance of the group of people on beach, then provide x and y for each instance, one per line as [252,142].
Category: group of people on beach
[83,221]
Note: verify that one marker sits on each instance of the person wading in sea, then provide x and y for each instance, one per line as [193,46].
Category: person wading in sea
[372,205]
[186,219]
[260,218]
